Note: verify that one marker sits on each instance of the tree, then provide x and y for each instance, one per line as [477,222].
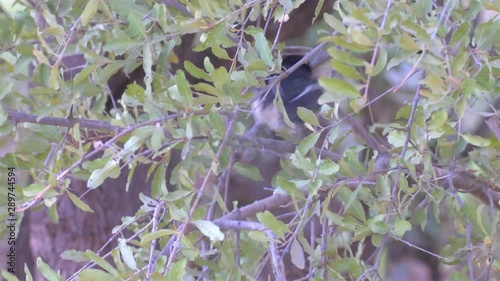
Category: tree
[133,134]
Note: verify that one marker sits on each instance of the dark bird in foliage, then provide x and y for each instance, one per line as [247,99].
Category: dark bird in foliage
[298,89]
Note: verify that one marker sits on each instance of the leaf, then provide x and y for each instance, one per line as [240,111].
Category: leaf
[307,116]
[461,35]
[91,274]
[337,88]
[183,86]
[89,11]
[3,116]
[147,238]
[262,47]
[346,70]
[121,45]
[74,255]
[177,271]
[308,142]
[133,143]
[136,26]
[401,227]
[136,91]
[84,74]
[408,43]
[110,69]
[345,57]
[209,229]
[318,10]
[438,120]
[124,8]
[47,272]
[126,254]
[278,227]
[476,140]
[297,255]
[328,167]
[289,187]
[33,189]
[8,276]
[101,262]
[79,203]
[158,184]
[98,176]
[248,171]
[379,227]
[196,72]
[381,63]
[334,23]
[41,57]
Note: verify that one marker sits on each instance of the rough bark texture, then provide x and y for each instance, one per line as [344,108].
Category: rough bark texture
[80,230]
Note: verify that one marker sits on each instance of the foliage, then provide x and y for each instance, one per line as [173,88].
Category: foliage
[417,174]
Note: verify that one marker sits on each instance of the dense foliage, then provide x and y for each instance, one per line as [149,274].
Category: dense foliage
[426,159]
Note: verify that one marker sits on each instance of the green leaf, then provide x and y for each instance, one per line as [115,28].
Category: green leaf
[79,203]
[476,140]
[136,26]
[438,120]
[345,57]
[196,72]
[136,91]
[401,227]
[101,262]
[134,142]
[74,255]
[8,276]
[209,229]
[328,167]
[84,74]
[89,11]
[461,35]
[379,227]
[6,88]
[381,63]
[334,23]
[147,238]
[336,89]
[124,8]
[307,116]
[108,71]
[248,171]
[33,189]
[126,254]
[47,272]
[278,227]
[98,176]
[120,45]
[289,187]
[177,271]
[318,10]
[408,43]
[159,183]
[346,70]
[308,142]
[261,45]
[297,254]
[94,274]
[3,116]
[302,162]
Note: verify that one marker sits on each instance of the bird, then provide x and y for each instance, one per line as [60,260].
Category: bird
[298,89]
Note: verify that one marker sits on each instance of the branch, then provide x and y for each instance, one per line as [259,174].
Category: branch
[466,182]
[21,117]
